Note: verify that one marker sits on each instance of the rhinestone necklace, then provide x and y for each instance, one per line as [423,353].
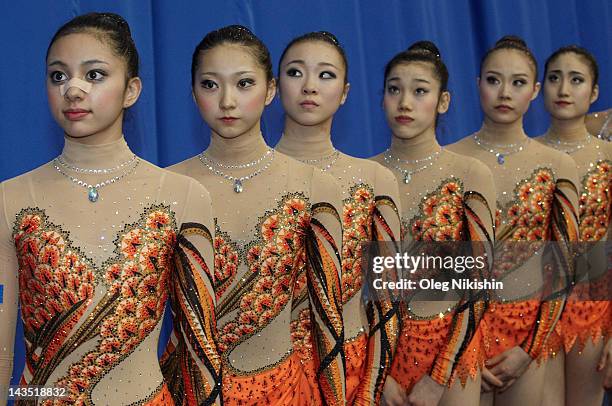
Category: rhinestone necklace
[66,165]
[93,194]
[238,186]
[239,166]
[568,147]
[407,173]
[509,149]
[333,156]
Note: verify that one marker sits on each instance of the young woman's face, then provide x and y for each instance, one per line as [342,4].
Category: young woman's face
[97,105]
[568,87]
[507,86]
[412,99]
[311,82]
[231,90]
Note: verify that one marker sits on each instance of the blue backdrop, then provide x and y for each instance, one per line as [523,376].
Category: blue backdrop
[165,127]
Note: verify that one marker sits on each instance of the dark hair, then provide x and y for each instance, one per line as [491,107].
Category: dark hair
[323,36]
[421,51]
[580,51]
[234,34]
[107,27]
[516,43]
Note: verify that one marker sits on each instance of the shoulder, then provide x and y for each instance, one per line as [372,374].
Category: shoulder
[462,146]
[185,167]
[15,185]
[604,146]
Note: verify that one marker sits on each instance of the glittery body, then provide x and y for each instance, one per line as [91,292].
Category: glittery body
[369,213]
[285,222]
[536,200]
[93,280]
[450,201]
[583,319]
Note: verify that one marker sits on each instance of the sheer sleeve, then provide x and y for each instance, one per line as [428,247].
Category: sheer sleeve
[8,299]
[191,362]
[383,314]
[478,201]
[563,231]
[323,263]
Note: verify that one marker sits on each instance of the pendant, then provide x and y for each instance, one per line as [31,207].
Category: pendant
[501,159]
[407,178]
[93,195]
[238,188]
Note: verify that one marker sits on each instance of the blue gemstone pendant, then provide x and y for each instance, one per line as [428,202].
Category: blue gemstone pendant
[93,195]
[501,159]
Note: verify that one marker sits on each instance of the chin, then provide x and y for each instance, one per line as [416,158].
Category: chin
[404,136]
[229,133]
[307,120]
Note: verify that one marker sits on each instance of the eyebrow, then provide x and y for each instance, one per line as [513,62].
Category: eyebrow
[414,80]
[319,64]
[87,62]
[515,74]
[572,72]
[242,72]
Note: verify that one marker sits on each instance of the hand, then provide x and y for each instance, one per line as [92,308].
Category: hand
[509,366]
[393,393]
[426,392]
[605,365]
[489,381]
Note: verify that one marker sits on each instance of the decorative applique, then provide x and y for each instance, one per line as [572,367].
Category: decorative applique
[226,262]
[440,215]
[527,217]
[301,336]
[357,226]
[272,261]
[595,200]
[137,291]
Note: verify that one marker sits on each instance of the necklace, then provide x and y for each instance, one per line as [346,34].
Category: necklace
[567,147]
[509,149]
[64,164]
[93,194]
[240,166]
[238,186]
[407,173]
[333,156]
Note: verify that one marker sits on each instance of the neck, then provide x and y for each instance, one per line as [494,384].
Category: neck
[97,155]
[421,146]
[306,142]
[497,133]
[244,148]
[567,130]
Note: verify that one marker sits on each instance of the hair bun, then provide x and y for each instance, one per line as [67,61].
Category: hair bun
[329,36]
[114,19]
[425,47]
[512,40]
[237,32]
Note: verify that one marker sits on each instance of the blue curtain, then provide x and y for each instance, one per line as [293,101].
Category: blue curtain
[165,127]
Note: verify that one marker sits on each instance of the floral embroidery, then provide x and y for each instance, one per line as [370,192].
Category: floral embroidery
[526,218]
[595,201]
[136,297]
[440,215]
[356,223]
[300,334]
[273,260]
[226,262]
